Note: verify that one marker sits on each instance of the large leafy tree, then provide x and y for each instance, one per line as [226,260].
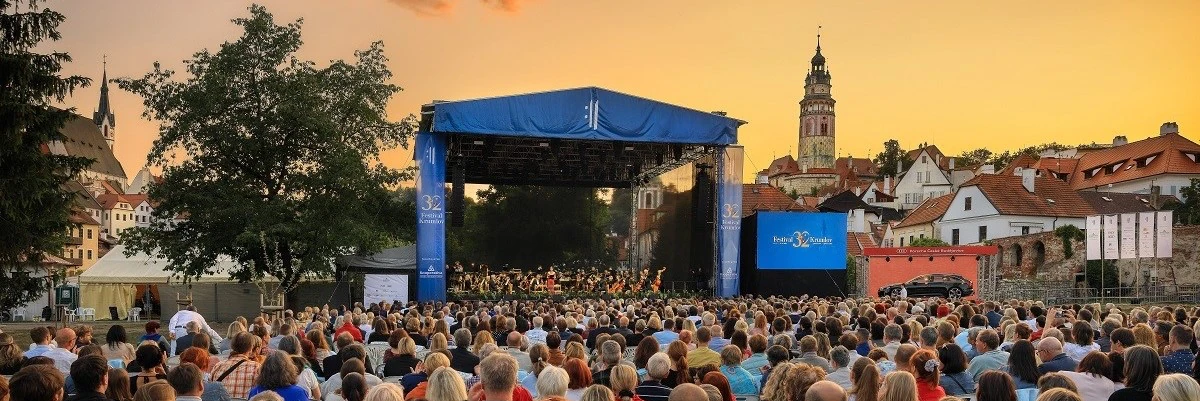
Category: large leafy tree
[891,155]
[34,207]
[1188,213]
[269,159]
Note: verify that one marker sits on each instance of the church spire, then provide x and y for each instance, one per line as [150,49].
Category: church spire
[104,118]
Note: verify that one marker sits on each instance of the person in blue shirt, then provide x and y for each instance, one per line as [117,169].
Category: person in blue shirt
[278,374]
[740,380]
[668,334]
[1179,360]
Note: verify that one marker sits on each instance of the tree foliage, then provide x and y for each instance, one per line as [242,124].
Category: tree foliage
[891,155]
[1069,233]
[270,159]
[974,157]
[927,242]
[1188,213]
[528,226]
[619,211]
[34,206]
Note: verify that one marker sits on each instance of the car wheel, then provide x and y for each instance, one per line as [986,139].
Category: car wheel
[895,292]
[954,293]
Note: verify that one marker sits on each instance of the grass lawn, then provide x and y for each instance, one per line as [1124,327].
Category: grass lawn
[20,330]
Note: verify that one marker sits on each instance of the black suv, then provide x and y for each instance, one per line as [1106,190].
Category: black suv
[926,285]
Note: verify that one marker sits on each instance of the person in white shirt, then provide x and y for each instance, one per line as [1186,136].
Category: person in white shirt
[178,325]
[536,334]
[1092,377]
[62,356]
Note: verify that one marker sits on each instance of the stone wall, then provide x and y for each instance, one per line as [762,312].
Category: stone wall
[1042,257]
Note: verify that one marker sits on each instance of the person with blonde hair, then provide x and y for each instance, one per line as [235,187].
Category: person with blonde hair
[596,392]
[387,392]
[11,357]
[267,396]
[865,380]
[444,385]
[1059,394]
[158,390]
[624,382]
[898,386]
[552,382]
[1176,387]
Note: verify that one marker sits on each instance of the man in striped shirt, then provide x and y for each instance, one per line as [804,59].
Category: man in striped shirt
[657,368]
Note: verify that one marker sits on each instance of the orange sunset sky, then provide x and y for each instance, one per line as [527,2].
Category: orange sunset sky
[962,75]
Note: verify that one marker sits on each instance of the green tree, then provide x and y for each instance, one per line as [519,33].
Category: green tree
[1093,274]
[928,242]
[1188,213]
[34,206]
[619,211]
[891,155]
[1069,233]
[974,157]
[278,161]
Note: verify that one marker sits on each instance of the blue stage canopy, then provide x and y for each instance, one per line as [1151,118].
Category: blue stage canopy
[585,114]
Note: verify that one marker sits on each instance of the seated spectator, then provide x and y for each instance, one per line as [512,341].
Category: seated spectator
[240,372]
[1022,365]
[432,361]
[1053,358]
[158,390]
[353,387]
[688,392]
[716,379]
[278,373]
[404,360]
[117,346]
[825,390]
[63,355]
[1179,357]
[624,382]
[580,378]
[1056,380]
[1176,387]
[757,360]
[927,370]
[955,379]
[1142,368]
[865,377]
[839,361]
[352,365]
[90,375]
[152,363]
[1059,394]
[444,385]
[898,386]
[118,386]
[461,358]
[990,357]
[1093,377]
[703,355]
[552,382]
[188,382]
[995,385]
[1081,341]
[11,357]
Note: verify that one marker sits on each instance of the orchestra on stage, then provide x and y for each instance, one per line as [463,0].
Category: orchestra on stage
[472,278]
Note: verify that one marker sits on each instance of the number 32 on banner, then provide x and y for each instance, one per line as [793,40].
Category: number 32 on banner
[432,202]
[731,212]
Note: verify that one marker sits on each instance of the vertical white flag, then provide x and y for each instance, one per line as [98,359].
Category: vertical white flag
[1129,236]
[1146,235]
[1094,229]
[1164,234]
[1112,231]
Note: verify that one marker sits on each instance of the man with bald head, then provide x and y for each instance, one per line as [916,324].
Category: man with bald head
[62,356]
[515,349]
[688,392]
[825,390]
[1053,357]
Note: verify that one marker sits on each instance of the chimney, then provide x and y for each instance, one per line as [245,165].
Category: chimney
[804,169]
[887,183]
[762,179]
[951,161]
[1121,140]
[899,166]
[1168,128]
[1027,179]
[937,160]
[987,169]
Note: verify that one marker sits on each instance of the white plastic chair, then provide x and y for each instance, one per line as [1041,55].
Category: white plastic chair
[71,315]
[375,352]
[19,313]
[87,313]
[135,315]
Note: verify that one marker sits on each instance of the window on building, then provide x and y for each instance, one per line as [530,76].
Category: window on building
[1025,230]
[89,253]
[910,239]
[89,233]
[922,235]
[954,237]
[824,129]
[901,242]
[967,203]
[71,254]
[983,233]
[924,159]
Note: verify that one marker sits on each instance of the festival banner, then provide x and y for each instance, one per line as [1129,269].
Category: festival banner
[1112,232]
[1093,237]
[729,222]
[385,288]
[1165,238]
[1129,236]
[1146,235]
[430,154]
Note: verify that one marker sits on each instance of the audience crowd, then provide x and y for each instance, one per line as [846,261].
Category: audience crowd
[769,349]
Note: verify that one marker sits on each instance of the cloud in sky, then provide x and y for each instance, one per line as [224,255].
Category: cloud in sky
[439,8]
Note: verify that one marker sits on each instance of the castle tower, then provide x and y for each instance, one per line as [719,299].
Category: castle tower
[103,116]
[817,129]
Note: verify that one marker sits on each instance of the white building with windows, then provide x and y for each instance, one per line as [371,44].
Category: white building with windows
[924,180]
[1169,161]
[1000,205]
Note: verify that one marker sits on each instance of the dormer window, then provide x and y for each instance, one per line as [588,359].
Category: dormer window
[1145,161]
